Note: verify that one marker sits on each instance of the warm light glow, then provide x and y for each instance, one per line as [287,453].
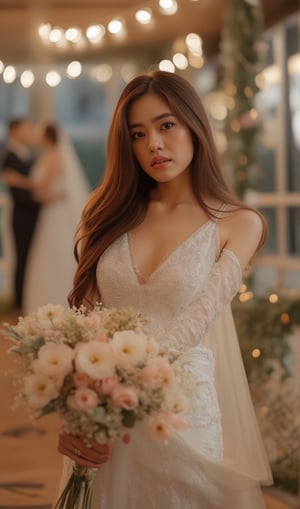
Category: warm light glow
[143,16]
[195,61]
[74,69]
[56,34]
[44,31]
[256,353]
[9,74]
[27,78]
[243,288]
[1,67]
[271,75]
[294,64]
[53,78]
[273,298]
[244,297]
[115,26]
[285,318]
[253,113]
[180,61]
[95,33]
[218,111]
[168,7]
[73,34]
[235,126]
[166,65]
[128,71]
[193,42]
[102,73]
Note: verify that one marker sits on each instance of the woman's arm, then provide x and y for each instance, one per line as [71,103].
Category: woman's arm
[239,238]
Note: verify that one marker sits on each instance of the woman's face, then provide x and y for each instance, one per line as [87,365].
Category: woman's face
[162,144]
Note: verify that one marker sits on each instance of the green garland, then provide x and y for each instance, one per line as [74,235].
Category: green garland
[242,49]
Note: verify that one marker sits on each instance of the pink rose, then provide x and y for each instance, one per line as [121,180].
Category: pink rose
[83,399]
[124,397]
[159,427]
[81,380]
[158,372]
[102,337]
[109,383]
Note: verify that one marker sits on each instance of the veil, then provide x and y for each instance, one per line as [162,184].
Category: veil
[76,183]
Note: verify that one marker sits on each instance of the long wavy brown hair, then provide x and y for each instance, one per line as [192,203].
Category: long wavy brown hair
[121,201]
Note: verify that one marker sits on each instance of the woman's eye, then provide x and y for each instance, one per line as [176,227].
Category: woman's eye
[136,135]
[167,125]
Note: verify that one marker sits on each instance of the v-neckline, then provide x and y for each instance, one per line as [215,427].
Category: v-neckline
[165,259]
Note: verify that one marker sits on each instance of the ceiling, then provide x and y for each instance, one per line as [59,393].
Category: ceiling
[19,21]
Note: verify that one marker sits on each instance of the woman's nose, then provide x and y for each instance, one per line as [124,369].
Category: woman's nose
[155,142]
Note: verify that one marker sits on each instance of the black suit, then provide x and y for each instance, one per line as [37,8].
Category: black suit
[24,217]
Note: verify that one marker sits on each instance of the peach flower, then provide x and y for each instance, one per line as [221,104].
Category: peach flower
[54,360]
[124,397]
[96,359]
[81,380]
[83,399]
[130,348]
[109,383]
[158,372]
[159,427]
[39,390]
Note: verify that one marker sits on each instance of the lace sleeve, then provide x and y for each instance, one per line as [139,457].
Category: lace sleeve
[189,328]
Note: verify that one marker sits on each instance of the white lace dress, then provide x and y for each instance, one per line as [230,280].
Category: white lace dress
[219,460]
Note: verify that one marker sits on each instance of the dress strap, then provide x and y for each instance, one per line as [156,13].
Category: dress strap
[220,210]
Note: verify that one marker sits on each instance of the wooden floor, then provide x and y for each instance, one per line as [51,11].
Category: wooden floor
[29,463]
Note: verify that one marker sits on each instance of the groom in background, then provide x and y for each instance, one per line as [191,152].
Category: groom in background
[16,166]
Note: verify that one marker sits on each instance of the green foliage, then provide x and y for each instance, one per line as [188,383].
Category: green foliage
[242,49]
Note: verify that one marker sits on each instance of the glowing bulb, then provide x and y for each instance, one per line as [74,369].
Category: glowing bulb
[44,31]
[143,16]
[73,34]
[256,353]
[95,33]
[56,34]
[102,73]
[168,7]
[74,69]
[53,78]
[273,298]
[115,26]
[9,74]
[166,65]
[193,42]
[180,61]
[27,78]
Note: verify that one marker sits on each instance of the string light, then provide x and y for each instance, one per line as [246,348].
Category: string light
[27,78]
[115,26]
[1,67]
[180,61]
[53,78]
[143,16]
[73,34]
[166,65]
[95,33]
[168,7]
[256,352]
[273,298]
[74,69]
[9,74]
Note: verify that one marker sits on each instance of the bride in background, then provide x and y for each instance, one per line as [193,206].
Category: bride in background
[63,190]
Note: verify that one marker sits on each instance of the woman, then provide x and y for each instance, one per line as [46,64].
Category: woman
[63,190]
[164,234]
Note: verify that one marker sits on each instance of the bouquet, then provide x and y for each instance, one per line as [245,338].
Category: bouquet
[102,372]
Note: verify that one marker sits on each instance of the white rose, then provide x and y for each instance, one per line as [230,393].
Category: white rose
[96,359]
[39,390]
[54,360]
[130,347]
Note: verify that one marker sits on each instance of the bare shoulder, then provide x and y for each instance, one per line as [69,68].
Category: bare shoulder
[241,231]
[244,219]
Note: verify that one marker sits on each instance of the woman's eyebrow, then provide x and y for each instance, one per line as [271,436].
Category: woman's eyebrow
[154,119]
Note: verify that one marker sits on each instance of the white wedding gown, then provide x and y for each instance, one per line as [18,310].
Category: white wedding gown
[51,265]
[218,462]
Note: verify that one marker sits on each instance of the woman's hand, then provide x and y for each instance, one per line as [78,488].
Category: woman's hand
[77,450]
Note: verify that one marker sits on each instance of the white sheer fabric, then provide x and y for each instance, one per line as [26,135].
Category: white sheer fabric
[51,264]
[218,462]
